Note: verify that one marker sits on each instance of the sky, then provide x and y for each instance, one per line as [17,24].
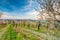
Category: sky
[18,9]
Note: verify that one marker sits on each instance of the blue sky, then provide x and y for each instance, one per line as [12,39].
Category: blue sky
[18,9]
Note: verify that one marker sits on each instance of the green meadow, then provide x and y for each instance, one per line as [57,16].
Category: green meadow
[28,30]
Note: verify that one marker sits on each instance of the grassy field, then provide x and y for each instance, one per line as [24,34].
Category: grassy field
[28,32]
[11,34]
[43,29]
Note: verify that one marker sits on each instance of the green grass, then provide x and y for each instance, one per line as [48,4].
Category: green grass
[2,26]
[12,35]
[56,33]
[42,29]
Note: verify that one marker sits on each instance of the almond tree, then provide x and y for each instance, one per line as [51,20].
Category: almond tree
[48,6]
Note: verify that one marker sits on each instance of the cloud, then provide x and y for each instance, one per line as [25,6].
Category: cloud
[25,8]
[9,17]
[31,14]
[5,5]
[29,5]
[5,15]
[28,15]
